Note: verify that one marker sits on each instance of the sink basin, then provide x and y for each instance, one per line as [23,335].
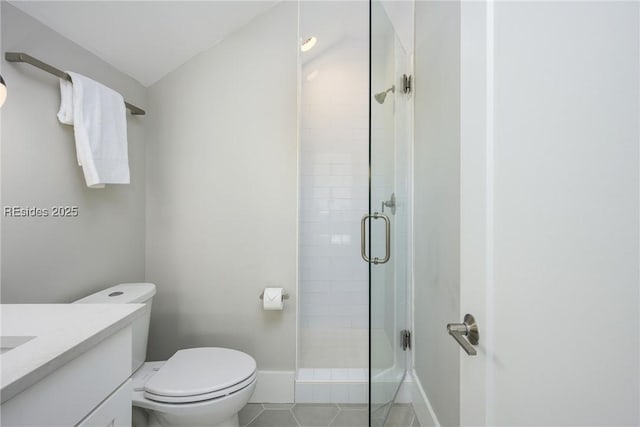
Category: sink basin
[9,342]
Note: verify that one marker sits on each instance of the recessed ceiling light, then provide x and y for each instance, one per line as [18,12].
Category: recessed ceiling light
[308,43]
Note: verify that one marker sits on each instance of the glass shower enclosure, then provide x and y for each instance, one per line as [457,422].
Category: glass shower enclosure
[333,287]
[354,161]
[386,230]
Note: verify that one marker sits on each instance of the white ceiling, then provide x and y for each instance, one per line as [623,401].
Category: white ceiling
[145,39]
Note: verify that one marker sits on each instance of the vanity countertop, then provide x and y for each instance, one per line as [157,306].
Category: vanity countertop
[61,332]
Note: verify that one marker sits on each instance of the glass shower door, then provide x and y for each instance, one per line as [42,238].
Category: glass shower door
[388,220]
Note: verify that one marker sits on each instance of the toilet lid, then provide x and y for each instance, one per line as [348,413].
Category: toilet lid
[200,374]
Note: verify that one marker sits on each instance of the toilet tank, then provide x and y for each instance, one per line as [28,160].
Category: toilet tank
[127,293]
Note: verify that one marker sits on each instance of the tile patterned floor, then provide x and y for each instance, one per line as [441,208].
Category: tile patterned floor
[321,415]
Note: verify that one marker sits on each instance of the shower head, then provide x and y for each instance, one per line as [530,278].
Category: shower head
[380,97]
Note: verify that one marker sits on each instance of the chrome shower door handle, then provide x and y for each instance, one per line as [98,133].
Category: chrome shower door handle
[466,334]
[363,238]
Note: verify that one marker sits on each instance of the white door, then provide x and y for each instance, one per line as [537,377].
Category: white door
[549,212]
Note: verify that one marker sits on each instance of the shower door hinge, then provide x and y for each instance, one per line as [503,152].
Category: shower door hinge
[405,339]
[406,84]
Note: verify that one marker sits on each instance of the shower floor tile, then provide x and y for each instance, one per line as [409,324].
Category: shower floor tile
[322,415]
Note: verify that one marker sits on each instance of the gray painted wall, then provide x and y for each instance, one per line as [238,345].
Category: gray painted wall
[222,194]
[437,204]
[58,260]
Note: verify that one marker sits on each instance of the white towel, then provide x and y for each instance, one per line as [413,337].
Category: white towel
[99,120]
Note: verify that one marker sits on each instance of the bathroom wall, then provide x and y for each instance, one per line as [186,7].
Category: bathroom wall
[437,204]
[222,195]
[58,260]
[401,16]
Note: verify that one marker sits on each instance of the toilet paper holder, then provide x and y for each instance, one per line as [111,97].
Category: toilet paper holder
[284,295]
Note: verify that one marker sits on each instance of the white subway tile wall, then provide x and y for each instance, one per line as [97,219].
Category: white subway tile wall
[334,196]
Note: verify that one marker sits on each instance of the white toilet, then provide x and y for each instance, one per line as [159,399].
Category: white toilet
[203,387]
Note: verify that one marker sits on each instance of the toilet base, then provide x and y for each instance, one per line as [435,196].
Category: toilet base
[139,417]
[143,418]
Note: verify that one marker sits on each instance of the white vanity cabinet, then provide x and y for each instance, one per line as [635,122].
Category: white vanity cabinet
[85,385]
[115,411]
[70,395]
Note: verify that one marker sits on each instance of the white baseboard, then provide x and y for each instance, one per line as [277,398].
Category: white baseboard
[421,404]
[279,387]
[274,387]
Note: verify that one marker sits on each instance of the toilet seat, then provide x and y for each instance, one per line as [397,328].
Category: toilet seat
[200,397]
[199,374]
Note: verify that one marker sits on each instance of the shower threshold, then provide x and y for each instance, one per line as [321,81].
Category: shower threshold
[332,385]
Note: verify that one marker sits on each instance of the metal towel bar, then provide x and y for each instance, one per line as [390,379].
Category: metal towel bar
[23,57]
